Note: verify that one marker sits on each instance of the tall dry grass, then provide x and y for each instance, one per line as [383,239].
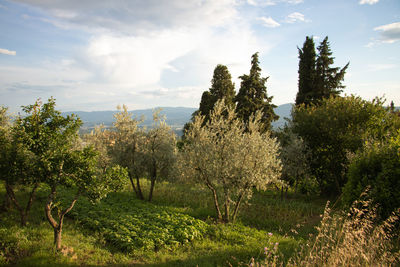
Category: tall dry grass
[353,239]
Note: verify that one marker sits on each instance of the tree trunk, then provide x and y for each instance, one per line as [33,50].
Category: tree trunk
[236,210]
[133,184]
[139,189]
[226,207]
[6,206]
[215,196]
[153,180]
[11,194]
[57,238]
[23,212]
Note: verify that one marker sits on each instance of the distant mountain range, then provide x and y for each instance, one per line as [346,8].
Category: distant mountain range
[176,117]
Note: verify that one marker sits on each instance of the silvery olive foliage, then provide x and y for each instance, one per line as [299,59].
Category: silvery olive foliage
[145,153]
[229,158]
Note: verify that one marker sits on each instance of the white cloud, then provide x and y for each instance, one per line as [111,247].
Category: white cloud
[136,16]
[390,33]
[264,3]
[138,61]
[369,2]
[380,67]
[294,17]
[295,2]
[7,52]
[269,22]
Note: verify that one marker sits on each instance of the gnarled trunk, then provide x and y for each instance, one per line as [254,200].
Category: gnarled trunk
[57,225]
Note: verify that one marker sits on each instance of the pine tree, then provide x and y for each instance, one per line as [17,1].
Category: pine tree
[253,96]
[317,79]
[328,80]
[307,72]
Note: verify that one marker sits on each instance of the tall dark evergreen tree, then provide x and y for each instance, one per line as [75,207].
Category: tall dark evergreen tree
[253,96]
[221,87]
[328,79]
[317,79]
[307,72]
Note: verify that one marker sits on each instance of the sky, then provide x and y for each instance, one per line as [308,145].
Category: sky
[96,54]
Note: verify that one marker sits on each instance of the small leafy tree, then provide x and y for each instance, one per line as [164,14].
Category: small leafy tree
[60,161]
[228,159]
[16,165]
[295,157]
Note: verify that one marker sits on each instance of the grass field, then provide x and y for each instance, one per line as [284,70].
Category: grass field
[177,229]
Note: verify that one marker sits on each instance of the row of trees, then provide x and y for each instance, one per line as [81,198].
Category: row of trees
[252,96]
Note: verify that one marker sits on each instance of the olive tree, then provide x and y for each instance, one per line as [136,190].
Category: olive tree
[145,153]
[229,158]
[160,147]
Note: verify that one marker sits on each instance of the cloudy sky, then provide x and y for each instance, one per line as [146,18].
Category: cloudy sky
[96,54]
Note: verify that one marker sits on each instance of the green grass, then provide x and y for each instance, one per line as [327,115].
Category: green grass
[213,245]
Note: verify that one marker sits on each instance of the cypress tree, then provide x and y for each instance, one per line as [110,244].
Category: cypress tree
[328,80]
[221,87]
[317,79]
[307,72]
[253,96]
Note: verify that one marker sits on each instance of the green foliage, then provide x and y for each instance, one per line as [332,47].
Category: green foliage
[317,79]
[252,96]
[229,158]
[132,225]
[335,129]
[377,168]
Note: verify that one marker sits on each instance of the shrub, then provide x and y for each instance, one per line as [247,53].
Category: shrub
[377,167]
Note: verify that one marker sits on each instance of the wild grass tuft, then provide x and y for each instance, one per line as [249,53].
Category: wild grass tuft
[353,239]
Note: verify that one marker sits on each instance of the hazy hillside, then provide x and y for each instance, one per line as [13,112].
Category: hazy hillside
[176,116]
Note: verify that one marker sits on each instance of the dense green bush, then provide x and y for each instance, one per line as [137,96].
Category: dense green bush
[378,168]
[337,127]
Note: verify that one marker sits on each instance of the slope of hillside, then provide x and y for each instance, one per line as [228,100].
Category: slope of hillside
[176,117]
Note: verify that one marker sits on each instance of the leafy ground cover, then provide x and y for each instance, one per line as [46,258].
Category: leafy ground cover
[131,224]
